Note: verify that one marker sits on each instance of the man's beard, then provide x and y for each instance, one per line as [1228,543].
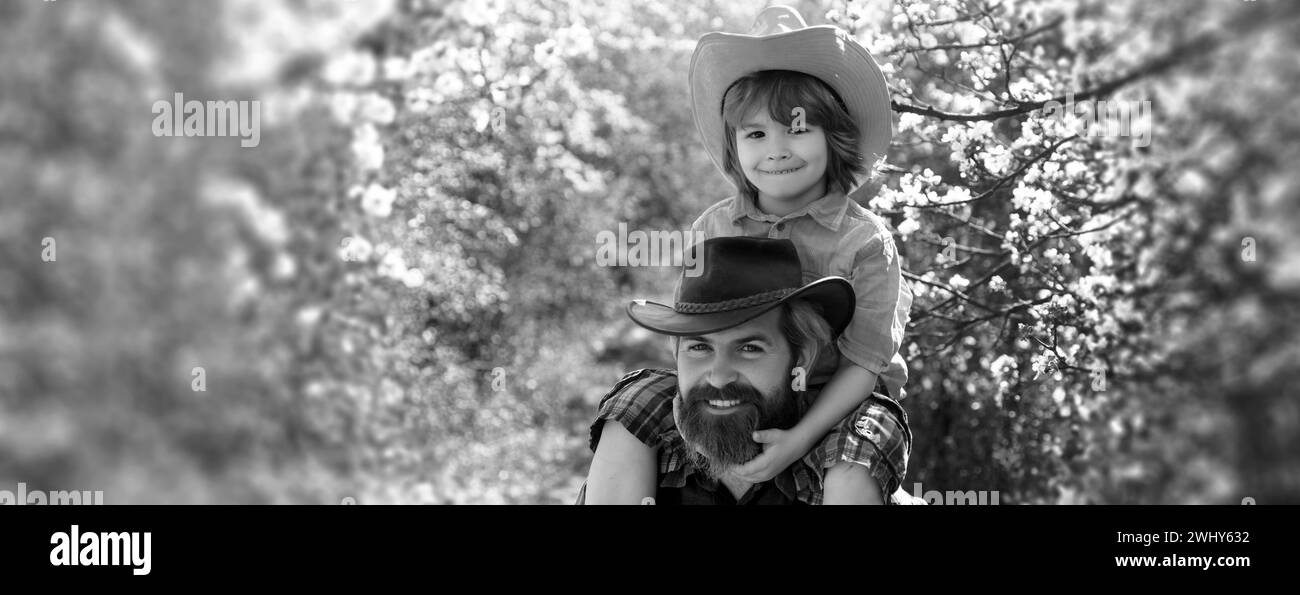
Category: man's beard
[719,442]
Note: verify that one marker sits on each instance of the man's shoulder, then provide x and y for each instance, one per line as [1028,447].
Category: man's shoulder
[651,380]
[643,403]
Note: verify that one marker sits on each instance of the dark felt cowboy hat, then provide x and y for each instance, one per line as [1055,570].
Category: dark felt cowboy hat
[743,278]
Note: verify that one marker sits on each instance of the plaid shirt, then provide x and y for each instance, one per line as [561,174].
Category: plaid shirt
[876,436]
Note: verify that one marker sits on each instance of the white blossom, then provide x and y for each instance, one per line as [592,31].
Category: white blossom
[910,223]
[378,200]
[413,278]
[1004,366]
[1042,362]
[909,121]
[342,106]
[397,68]
[352,68]
[355,249]
[377,109]
[448,84]
[367,148]
[393,265]
[1035,201]
[956,194]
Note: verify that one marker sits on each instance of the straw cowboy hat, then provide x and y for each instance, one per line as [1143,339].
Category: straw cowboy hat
[743,278]
[781,40]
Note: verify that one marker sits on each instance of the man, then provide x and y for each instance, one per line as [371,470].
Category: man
[746,333]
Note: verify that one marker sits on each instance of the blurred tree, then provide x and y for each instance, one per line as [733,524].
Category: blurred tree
[1058,352]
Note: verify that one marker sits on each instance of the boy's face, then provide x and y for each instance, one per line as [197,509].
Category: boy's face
[788,166]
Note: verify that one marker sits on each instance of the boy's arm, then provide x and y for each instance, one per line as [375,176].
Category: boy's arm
[847,389]
[623,470]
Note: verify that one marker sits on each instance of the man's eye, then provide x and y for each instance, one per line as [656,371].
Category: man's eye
[752,348]
[701,346]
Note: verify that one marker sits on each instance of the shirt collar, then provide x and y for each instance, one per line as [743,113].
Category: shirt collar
[828,210]
[792,483]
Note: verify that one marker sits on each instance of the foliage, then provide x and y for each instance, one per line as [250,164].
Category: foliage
[395,296]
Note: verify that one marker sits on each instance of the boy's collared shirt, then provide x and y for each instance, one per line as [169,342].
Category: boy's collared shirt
[876,436]
[836,236]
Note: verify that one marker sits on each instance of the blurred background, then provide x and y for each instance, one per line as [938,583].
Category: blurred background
[394,296]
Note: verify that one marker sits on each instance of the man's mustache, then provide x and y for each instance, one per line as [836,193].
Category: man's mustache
[734,391]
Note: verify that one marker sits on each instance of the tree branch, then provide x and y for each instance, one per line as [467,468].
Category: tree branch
[1200,45]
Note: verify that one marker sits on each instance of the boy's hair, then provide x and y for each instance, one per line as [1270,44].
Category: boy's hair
[805,330]
[780,91]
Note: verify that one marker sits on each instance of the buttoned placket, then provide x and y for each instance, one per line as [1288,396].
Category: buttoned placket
[745,209]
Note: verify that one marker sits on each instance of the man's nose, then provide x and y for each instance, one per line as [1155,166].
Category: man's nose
[722,373]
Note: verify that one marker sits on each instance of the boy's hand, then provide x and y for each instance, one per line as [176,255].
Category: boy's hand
[780,449]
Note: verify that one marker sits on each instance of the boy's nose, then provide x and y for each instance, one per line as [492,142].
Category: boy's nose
[779,154]
[779,148]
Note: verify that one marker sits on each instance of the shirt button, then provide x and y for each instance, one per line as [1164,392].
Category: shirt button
[780,227]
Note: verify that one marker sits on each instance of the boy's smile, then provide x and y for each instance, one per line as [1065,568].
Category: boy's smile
[783,171]
[788,166]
